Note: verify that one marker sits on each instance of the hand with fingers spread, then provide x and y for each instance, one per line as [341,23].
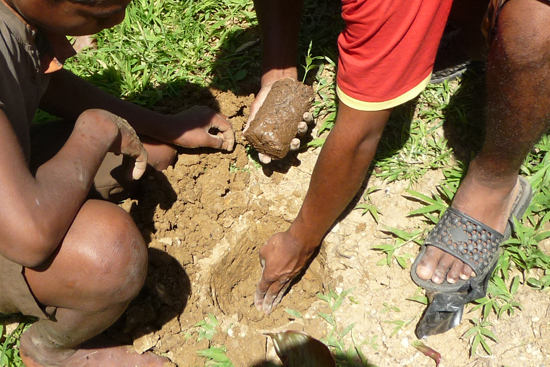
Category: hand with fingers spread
[282,259]
[200,126]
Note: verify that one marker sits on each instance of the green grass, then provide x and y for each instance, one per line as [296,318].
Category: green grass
[9,341]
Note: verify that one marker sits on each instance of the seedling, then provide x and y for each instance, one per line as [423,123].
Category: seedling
[392,251]
[368,206]
[293,313]
[478,335]
[207,328]
[345,356]
[215,357]
[399,324]
[500,299]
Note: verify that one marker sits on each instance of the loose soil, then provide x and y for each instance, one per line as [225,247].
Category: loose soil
[204,221]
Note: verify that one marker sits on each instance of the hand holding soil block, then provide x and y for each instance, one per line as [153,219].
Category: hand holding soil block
[276,122]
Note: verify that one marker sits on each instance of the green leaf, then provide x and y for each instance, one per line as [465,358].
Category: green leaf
[328,318]
[293,313]
[488,333]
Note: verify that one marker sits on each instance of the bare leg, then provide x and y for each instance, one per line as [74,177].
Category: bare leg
[99,268]
[518,86]
[160,155]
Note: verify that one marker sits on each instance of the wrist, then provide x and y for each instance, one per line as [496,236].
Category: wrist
[305,238]
[271,76]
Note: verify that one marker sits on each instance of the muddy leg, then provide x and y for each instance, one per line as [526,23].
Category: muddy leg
[97,270]
[518,86]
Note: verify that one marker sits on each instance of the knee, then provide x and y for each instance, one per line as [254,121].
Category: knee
[111,256]
[523,31]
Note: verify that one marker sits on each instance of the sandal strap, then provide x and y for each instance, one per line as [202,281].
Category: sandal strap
[467,239]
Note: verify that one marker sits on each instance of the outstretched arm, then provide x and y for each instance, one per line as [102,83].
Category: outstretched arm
[337,176]
[68,95]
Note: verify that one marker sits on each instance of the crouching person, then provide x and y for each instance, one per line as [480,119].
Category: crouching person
[74,262]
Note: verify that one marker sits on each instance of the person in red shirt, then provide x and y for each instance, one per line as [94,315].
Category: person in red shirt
[387,50]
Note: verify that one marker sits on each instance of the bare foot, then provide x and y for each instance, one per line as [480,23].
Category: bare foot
[490,205]
[108,356]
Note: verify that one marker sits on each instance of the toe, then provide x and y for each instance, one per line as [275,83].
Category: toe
[466,272]
[454,272]
[442,268]
[428,262]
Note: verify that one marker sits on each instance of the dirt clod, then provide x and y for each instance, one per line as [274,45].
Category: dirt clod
[276,122]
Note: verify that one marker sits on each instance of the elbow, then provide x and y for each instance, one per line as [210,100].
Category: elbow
[33,259]
[29,250]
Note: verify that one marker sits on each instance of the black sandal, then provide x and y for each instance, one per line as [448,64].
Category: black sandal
[474,244]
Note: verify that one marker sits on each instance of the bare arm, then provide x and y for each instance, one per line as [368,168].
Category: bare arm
[36,212]
[279,25]
[69,95]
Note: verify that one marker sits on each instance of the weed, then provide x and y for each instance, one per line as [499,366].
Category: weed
[293,313]
[215,357]
[402,238]
[478,335]
[344,356]
[9,347]
[207,328]
[368,206]
[499,299]
[399,324]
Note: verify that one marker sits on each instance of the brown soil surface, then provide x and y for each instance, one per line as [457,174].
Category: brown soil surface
[204,221]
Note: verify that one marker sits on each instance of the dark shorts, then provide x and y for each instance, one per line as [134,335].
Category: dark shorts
[110,183]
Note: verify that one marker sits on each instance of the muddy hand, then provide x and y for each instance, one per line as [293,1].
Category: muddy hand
[200,126]
[282,260]
[127,142]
